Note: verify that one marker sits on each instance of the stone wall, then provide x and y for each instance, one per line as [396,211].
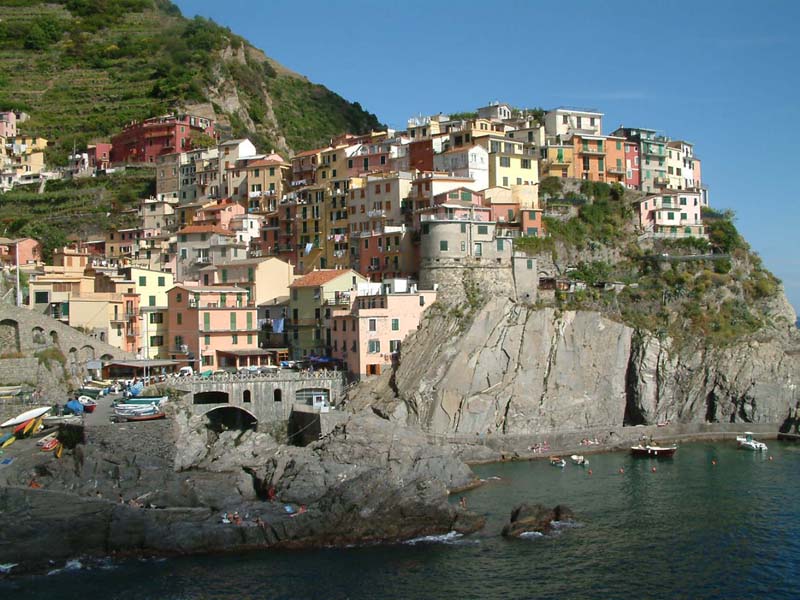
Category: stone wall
[25,335]
[454,276]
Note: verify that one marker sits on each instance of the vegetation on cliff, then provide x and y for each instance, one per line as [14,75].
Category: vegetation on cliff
[691,288]
[84,68]
[80,207]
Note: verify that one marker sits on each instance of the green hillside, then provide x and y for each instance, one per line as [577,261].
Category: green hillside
[83,68]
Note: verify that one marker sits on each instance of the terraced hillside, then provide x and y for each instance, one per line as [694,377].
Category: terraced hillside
[83,68]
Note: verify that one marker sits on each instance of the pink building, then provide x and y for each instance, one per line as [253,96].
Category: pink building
[367,336]
[219,214]
[675,214]
[99,155]
[30,251]
[213,328]
[633,177]
[8,124]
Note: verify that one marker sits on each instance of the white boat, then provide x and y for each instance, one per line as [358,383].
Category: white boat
[747,442]
[62,420]
[33,413]
[557,461]
[579,460]
[147,409]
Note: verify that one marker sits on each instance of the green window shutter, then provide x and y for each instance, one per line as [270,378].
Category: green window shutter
[463,228]
[161,282]
[207,340]
[619,145]
[206,321]
[249,338]
[142,280]
[499,245]
[395,324]
[233,321]
[443,245]
[224,275]
[152,300]
[249,320]
[223,299]
[251,274]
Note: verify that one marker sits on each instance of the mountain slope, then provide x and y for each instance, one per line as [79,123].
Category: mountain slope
[83,68]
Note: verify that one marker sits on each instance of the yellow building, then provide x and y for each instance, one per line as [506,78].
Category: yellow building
[311,300]
[267,181]
[559,162]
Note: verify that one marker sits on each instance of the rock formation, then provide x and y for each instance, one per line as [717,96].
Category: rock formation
[516,369]
[535,518]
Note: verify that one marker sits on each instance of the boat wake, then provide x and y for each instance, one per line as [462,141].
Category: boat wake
[527,535]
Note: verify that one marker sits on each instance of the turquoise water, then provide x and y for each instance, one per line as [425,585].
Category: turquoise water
[689,530]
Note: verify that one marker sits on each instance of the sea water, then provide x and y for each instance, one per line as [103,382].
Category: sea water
[691,529]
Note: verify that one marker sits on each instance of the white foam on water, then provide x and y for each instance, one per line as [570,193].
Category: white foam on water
[70,565]
[446,538]
[526,535]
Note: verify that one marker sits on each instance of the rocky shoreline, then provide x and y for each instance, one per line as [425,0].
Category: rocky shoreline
[118,493]
[172,488]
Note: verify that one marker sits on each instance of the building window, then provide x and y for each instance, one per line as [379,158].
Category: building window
[374,346]
[234,339]
[156,318]
[161,282]
[156,340]
[179,318]
[394,346]
[483,229]
[395,324]
[505,161]
[530,264]
[151,300]
[443,246]
[373,324]
[142,280]
[499,245]
[463,246]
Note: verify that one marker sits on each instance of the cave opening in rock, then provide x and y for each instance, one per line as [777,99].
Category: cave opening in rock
[226,418]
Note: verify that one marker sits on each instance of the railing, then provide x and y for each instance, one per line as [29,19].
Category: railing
[587,150]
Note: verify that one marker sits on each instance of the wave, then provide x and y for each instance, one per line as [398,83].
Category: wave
[445,538]
[70,565]
[526,535]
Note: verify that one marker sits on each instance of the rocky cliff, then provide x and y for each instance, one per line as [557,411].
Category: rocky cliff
[516,369]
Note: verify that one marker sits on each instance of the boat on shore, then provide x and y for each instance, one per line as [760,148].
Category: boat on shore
[88,403]
[62,420]
[148,416]
[143,400]
[579,460]
[653,451]
[747,442]
[33,413]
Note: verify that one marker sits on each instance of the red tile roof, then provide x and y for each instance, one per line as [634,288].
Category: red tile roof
[318,278]
[310,152]
[205,229]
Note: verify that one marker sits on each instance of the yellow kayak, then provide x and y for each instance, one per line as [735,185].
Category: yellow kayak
[8,442]
[29,427]
[38,425]
[59,450]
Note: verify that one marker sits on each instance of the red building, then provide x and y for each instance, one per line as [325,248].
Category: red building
[99,155]
[142,141]
[420,155]
[633,179]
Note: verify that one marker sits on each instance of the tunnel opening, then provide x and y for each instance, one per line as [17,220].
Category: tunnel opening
[215,397]
[226,418]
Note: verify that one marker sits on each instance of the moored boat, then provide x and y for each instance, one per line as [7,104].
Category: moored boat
[579,460]
[653,451]
[557,461]
[92,392]
[144,400]
[747,442]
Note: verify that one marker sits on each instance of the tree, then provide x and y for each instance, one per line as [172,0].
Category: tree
[551,187]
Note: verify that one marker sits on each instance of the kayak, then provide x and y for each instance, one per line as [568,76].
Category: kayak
[9,441]
[27,416]
[50,445]
[20,429]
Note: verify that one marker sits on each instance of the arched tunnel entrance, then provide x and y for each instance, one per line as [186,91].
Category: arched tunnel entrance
[225,418]
[214,397]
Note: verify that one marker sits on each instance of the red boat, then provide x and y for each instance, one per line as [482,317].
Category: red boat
[88,404]
[654,451]
[142,417]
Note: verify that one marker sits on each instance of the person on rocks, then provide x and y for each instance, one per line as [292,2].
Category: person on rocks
[462,502]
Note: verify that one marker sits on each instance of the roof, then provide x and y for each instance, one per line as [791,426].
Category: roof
[318,278]
[268,161]
[249,352]
[143,363]
[277,301]
[205,229]
[310,152]
[214,289]
[248,261]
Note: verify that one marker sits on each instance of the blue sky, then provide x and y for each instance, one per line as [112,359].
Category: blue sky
[723,75]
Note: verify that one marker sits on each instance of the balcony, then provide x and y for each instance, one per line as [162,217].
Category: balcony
[657,151]
[661,180]
[616,170]
[378,213]
[592,151]
[560,161]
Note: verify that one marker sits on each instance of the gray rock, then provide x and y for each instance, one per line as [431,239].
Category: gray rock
[530,518]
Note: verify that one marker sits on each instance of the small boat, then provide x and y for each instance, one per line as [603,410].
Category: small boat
[88,404]
[5,438]
[49,446]
[146,400]
[92,392]
[653,451]
[747,442]
[9,440]
[143,416]
[135,409]
[20,429]
[579,460]
[46,439]
[33,413]
[557,461]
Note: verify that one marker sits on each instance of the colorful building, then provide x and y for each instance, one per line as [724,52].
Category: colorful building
[672,215]
[312,298]
[367,334]
[143,141]
[213,328]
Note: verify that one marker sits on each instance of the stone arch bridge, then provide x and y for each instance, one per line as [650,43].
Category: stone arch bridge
[265,397]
